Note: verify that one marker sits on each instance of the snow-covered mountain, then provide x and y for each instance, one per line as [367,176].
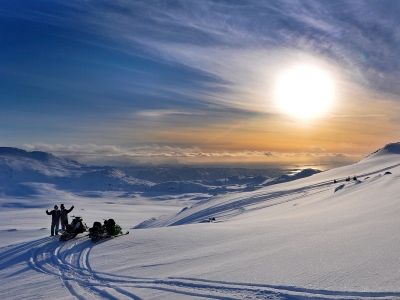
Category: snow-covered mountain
[25,173]
[317,237]
[392,148]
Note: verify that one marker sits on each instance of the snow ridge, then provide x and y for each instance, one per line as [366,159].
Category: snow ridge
[392,148]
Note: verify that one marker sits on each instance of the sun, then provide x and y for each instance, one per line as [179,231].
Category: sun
[304,92]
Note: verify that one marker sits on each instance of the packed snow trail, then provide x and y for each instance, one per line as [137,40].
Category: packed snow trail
[70,263]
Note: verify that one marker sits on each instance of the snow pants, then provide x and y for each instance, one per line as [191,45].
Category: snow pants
[64,225]
[55,226]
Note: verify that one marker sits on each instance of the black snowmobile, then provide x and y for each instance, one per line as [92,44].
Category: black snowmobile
[107,230]
[72,230]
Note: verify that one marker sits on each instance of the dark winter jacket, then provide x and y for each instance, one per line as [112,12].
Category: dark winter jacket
[55,216]
[64,215]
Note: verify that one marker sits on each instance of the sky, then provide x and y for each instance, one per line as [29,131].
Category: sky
[200,81]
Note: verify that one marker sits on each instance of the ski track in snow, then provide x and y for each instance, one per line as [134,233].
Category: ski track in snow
[229,209]
[69,261]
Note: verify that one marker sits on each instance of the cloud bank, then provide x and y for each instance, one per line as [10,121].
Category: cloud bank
[107,153]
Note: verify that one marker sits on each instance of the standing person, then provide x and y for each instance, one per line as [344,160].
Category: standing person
[55,220]
[64,216]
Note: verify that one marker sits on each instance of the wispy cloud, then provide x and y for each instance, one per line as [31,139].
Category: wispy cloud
[229,40]
[164,112]
[346,145]
[317,148]
[243,45]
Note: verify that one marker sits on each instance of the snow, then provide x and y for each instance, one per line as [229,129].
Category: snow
[308,238]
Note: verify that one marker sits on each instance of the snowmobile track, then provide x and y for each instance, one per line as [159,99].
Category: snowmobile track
[71,264]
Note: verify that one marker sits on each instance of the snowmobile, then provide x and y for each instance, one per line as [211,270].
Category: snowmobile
[107,230]
[72,230]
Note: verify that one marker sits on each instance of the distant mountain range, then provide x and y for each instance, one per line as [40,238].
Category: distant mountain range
[24,173]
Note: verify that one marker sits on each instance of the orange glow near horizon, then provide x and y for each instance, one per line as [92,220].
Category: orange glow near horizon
[355,126]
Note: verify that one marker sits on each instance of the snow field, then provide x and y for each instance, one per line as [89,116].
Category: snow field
[304,239]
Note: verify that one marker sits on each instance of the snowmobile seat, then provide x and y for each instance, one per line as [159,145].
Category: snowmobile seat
[96,227]
[109,225]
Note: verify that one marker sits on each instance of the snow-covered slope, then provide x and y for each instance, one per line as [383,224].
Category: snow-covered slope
[392,148]
[310,238]
[222,207]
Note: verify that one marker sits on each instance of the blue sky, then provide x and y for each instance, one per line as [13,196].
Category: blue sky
[194,80]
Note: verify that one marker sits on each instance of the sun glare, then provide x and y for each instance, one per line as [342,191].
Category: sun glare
[304,92]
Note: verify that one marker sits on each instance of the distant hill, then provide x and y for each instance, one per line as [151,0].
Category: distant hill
[9,153]
[392,148]
[24,173]
[286,178]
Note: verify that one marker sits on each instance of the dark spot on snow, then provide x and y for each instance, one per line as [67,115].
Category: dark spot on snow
[339,187]
[183,209]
